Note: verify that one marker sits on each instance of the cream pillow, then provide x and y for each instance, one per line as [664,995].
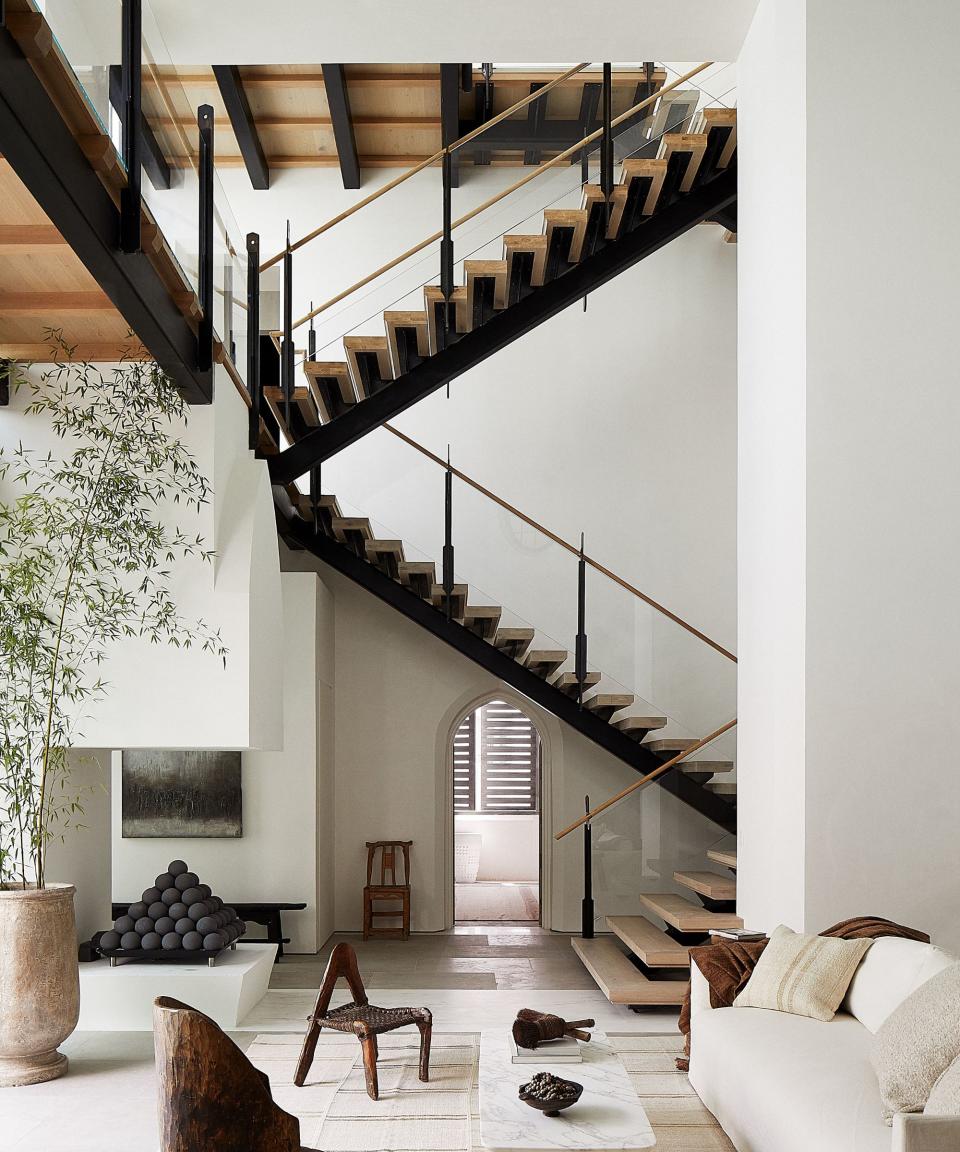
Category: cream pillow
[917,1043]
[944,1098]
[803,975]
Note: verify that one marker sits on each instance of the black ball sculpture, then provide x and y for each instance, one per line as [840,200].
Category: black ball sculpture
[175,914]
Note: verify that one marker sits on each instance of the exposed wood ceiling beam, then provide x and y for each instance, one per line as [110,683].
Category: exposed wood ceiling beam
[244,126]
[15,237]
[296,122]
[42,302]
[89,352]
[339,103]
[154,161]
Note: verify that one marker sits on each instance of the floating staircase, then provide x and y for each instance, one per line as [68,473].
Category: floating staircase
[511,653]
[641,964]
[691,177]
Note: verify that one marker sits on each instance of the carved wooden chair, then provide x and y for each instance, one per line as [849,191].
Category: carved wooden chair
[362,1018]
[211,1096]
[384,885]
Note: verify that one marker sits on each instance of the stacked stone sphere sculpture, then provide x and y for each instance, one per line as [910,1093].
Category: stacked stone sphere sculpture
[176,914]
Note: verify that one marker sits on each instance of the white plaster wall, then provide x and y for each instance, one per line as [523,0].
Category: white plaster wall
[849,474]
[510,846]
[160,696]
[284,852]
[81,855]
[771,235]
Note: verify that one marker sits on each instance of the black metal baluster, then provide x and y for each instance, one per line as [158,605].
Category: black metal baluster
[205,337]
[586,906]
[311,339]
[606,146]
[448,538]
[286,347]
[315,492]
[253,336]
[446,245]
[130,194]
[580,657]
[228,305]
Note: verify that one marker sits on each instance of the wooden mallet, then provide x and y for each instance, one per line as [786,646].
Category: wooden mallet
[532,1028]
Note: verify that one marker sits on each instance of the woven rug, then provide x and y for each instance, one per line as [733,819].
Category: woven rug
[337,1115]
[490,901]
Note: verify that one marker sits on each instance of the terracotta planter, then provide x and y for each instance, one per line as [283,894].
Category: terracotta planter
[39,982]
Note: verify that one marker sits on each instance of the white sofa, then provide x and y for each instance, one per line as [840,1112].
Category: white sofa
[783,1083]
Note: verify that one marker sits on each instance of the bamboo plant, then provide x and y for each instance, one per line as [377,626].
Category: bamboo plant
[89,535]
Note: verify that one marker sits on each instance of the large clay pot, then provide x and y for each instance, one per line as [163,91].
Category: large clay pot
[39,981]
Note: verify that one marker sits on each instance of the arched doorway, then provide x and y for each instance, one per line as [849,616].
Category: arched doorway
[495,764]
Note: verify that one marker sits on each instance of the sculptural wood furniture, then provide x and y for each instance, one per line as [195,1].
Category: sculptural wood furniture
[211,1096]
[387,887]
[365,1020]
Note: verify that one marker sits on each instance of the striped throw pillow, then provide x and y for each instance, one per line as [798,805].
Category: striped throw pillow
[803,975]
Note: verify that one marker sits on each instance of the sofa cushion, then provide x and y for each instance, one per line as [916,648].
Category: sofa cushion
[890,971]
[783,1083]
[917,1043]
[944,1098]
[804,975]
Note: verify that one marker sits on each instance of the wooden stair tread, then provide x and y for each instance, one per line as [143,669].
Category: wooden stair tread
[567,682]
[709,884]
[727,857]
[645,724]
[668,747]
[723,787]
[482,619]
[394,546]
[614,700]
[537,245]
[644,939]
[545,661]
[406,319]
[514,641]
[686,916]
[713,766]
[693,142]
[619,980]
[344,525]
[419,576]
[496,270]
[639,169]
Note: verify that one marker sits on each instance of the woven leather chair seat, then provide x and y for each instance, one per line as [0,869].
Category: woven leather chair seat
[373,1019]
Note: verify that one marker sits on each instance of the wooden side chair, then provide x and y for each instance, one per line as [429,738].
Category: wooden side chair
[211,1096]
[387,887]
[365,1020]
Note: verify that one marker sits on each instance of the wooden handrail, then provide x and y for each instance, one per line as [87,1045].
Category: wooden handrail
[552,163]
[563,543]
[404,176]
[666,766]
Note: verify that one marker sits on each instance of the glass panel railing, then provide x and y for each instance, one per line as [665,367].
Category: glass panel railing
[91,47]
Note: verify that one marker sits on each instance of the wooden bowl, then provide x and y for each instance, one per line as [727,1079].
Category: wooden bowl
[555,1106]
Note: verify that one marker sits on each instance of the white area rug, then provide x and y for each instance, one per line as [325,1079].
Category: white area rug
[491,901]
[336,1114]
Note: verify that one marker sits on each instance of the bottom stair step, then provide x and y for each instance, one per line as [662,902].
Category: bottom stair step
[619,980]
[644,939]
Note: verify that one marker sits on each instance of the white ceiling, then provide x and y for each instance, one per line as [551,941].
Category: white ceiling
[421,31]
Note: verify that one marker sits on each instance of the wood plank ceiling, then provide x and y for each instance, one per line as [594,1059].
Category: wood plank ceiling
[395,110]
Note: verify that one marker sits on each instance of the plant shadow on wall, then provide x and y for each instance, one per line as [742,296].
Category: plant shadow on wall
[89,534]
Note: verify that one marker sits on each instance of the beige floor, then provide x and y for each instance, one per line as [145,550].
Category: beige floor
[475,957]
[491,901]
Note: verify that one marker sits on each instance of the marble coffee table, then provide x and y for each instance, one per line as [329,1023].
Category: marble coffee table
[607,1115]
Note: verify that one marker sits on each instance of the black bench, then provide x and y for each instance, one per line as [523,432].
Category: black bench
[264,912]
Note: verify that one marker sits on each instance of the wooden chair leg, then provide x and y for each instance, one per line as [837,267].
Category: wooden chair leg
[369,1046]
[367,915]
[406,915]
[307,1052]
[426,1031]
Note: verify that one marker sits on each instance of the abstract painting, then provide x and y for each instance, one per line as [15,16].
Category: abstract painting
[167,793]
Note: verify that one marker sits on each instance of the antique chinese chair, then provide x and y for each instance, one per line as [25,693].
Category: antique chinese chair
[211,1096]
[387,887]
[365,1020]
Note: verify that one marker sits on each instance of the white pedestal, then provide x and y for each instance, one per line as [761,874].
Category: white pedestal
[121,999]
[608,1114]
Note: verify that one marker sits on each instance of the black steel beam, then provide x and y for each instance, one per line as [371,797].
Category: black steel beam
[131,198]
[727,217]
[46,157]
[5,366]
[338,101]
[244,126]
[506,326]
[536,118]
[154,162]
[300,535]
[450,76]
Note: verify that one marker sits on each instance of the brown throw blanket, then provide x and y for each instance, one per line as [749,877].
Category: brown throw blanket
[727,964]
